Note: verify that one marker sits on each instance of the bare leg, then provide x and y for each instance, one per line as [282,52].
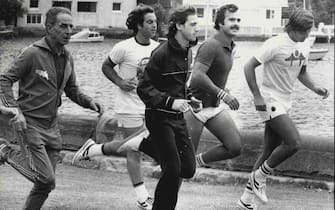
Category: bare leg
[224,128]
[283,127]
[271,142]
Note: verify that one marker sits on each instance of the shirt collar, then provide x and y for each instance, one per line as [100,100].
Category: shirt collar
[43,43]
[222,38]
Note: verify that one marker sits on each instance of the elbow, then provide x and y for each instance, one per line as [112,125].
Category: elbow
[104,68]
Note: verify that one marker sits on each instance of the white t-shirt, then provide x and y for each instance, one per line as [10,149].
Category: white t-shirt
[282,59]
[128,54]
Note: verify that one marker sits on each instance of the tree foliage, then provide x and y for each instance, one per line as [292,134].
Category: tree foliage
[10,10]
[324,11]
[161,15]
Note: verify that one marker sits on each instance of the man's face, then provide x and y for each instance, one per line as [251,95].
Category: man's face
[61,31]
[189,28]
[300,36]
[149,27]
[231,25]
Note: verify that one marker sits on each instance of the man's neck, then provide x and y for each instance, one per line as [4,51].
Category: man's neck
[224,36]
[181,40]
[142,39]
[54,46]
[291,36]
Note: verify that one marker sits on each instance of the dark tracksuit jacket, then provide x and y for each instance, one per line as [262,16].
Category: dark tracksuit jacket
[39,97]
[164,81]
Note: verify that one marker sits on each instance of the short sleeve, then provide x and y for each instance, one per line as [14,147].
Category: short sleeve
[266,52]
[206,53]
[117,54]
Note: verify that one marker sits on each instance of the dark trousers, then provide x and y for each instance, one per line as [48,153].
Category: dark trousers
[171,145]
[36,160]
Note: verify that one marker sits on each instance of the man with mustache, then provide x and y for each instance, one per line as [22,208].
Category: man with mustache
[130,56]
[44,71]
[211,69]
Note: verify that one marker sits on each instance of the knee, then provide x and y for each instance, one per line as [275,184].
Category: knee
[295,145]
[235,150]
[134,156]
[50,182]
[188,173]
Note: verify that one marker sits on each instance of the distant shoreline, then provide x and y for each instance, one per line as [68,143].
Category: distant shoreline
[122,33]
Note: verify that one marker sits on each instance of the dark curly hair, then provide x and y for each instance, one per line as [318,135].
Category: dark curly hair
[179,16]
[136,16]
[221,14]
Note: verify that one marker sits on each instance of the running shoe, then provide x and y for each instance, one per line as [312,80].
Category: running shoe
[259,188]
[82,153]
[3,145]
[246,206]
[147,204]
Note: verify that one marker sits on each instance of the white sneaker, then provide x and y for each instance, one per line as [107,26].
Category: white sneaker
[258,187]
[246,206]
[132,143]
[3,144]
[147,204]
[82,153]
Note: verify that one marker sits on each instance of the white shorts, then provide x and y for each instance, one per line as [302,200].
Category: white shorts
[208,113]
[129,120]
[273,110]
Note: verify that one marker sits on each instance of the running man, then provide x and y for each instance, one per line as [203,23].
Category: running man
[211,69]
[285,59]
[131,56]
[44,70]
[163,90]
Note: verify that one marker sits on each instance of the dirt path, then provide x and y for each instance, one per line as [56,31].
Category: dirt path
[87,189]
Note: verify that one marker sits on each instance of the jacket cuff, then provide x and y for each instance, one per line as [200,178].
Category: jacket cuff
[169,101]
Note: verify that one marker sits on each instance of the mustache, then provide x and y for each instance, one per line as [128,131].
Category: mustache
[235,27]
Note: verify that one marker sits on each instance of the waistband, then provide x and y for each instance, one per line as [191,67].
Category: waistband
[169,114]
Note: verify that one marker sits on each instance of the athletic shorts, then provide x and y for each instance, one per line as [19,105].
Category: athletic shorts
[273,110]
[208,113]
[129,120]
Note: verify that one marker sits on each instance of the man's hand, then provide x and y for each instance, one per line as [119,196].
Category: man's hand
[8,110]
[128,85]
[97,107]
[259,103]
[180,105]
[18,121]
[322,92]
[231,101]
[196,104]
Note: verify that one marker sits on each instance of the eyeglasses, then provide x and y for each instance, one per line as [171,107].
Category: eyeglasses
[66,26]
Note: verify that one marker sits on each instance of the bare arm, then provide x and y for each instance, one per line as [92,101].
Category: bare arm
[200,79]
[250,75]
[305,78]
[111,74]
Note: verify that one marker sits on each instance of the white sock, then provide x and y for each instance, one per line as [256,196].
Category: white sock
[263,171]
[95,150]
[199,160]
[141,193]
[248,195]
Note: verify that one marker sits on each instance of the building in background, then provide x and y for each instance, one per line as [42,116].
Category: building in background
[85,13]
[258,16]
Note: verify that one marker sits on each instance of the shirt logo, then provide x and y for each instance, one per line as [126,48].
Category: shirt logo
[42,73]
[296,56]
